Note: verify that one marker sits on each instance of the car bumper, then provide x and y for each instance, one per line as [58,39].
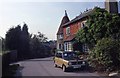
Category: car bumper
[76,66]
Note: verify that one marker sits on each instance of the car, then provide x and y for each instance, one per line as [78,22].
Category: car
[69,61]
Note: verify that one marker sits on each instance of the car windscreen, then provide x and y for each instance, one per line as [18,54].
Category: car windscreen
[70,56]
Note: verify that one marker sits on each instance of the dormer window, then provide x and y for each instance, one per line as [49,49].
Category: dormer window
[83,24]
[68,31]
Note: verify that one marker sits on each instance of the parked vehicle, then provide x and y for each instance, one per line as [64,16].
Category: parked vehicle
[69,61]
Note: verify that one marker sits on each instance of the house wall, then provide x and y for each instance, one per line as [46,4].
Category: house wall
[68,46]
[60,44]
[73,29]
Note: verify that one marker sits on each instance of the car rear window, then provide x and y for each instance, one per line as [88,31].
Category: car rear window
[69,55]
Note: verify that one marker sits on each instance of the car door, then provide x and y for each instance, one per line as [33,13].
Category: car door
[56,59]
[60,62]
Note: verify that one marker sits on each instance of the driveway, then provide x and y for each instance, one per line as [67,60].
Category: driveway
[45,67]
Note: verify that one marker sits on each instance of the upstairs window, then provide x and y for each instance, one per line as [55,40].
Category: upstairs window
[83,24]
[68,31]
[60,36]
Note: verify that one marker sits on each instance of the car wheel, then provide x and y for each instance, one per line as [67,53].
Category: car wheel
[55,65]
[64,68]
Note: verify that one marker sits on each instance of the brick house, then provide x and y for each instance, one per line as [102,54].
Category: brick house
[71,28]
[68,29]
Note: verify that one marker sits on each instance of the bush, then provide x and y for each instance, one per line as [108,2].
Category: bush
[106,55]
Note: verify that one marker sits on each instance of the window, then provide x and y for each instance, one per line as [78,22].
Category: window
[59,46]
[68,31]
[83,24]
[60,36]
[59,55]
[85,48]
[65,46]
[68,46]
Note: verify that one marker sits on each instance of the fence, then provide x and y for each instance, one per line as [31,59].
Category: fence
[9,57]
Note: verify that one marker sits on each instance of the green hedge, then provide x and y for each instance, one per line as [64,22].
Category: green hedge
[106,55]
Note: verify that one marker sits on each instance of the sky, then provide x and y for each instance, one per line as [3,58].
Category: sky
[41,16]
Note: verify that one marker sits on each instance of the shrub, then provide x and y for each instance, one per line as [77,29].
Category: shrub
[106,54]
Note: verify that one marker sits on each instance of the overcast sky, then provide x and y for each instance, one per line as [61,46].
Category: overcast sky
[40,16]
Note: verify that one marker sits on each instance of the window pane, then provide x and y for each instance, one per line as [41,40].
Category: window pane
[67,30]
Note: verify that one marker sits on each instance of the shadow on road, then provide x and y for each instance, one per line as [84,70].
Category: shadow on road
[81,71]
[39,60]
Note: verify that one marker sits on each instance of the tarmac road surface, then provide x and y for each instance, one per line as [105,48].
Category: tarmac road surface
[45,67]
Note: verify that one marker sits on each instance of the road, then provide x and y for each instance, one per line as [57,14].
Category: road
[45,67]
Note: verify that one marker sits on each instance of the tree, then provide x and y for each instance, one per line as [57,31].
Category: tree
[102,34]
[41,37]
[25,41]
[26,44]
[12,39]
[99,25]
[18,39]
[36,45]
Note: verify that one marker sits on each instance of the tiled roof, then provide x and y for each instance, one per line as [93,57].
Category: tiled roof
[69,38]
[82,15]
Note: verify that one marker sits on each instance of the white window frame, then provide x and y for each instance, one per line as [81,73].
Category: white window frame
[83,24]
[85,48]
[60,36]
[68,46]
[68,31]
